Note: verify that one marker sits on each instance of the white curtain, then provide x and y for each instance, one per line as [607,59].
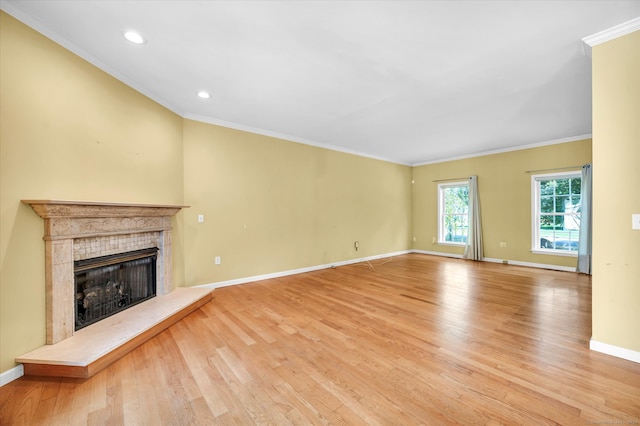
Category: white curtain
[584,245]
[473,250]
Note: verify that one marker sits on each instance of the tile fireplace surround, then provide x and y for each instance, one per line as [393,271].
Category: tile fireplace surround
[75,230]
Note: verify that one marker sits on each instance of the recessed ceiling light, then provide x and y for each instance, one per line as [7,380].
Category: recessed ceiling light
[134,37]
[204,95]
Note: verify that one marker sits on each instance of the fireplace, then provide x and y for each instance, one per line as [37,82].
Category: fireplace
[106,285]
[105,247]
[77,232]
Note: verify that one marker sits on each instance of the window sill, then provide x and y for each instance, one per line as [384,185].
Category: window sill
[565,253]
[447,243]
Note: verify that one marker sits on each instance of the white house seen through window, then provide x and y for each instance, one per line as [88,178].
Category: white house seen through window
[556,213]
[453,213]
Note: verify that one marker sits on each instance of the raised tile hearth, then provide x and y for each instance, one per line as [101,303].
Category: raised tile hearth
[93,348]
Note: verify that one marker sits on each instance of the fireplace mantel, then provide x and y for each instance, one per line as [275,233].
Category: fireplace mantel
[75,219]
[73,229]
[60,208]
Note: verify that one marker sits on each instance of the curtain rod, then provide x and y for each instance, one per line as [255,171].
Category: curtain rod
[458,178]
[557,168]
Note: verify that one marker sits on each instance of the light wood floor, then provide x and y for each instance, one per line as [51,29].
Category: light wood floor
[416,340]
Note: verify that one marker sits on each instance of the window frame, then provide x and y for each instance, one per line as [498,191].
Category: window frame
[535,212]
[441,224]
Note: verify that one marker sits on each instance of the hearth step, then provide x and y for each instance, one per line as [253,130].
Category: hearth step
[94,347]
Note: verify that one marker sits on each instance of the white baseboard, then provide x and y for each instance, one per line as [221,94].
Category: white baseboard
[438,253]
[616,351]
[300,271]
[511,262]
[364,259]
[11,375]
[532,265]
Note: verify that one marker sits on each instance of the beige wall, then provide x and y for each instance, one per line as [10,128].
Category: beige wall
[505,199]
[616,192]
[68,131]
[271,205]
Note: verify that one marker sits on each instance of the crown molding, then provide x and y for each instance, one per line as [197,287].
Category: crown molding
[509,149]
[610,34]
[288,138]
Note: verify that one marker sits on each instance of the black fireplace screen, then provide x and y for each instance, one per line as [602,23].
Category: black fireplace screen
[109,284]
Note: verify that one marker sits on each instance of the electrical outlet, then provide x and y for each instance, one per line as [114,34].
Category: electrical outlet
[415,239]
[356,245]
[217,260]
[433,240]
[635,221]
[503,244]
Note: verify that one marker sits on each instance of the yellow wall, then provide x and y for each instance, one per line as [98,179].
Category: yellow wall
[68,131]
[616,192]
[505,199]
[272,205]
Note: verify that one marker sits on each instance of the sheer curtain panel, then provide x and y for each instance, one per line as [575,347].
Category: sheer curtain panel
[473,249]
[584,244]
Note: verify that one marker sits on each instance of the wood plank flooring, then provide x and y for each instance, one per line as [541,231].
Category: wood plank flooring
[413,339]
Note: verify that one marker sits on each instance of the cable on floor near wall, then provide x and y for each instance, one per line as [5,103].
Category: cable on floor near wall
[371,266]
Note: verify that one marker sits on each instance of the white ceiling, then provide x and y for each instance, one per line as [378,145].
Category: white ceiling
[409,82]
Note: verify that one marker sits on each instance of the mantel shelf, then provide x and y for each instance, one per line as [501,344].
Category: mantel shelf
[48,209]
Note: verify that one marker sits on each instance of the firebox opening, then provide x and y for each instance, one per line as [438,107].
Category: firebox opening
[109,284]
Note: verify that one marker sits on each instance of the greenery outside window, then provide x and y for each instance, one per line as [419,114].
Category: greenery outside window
[556,213]
[453,213]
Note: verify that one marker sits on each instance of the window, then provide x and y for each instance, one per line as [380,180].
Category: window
[453,213]
[556,213]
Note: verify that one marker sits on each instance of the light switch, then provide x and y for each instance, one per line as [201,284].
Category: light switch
[635,221]
[201,218]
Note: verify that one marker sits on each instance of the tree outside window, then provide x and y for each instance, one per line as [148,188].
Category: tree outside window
[453,204]
[556,215]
